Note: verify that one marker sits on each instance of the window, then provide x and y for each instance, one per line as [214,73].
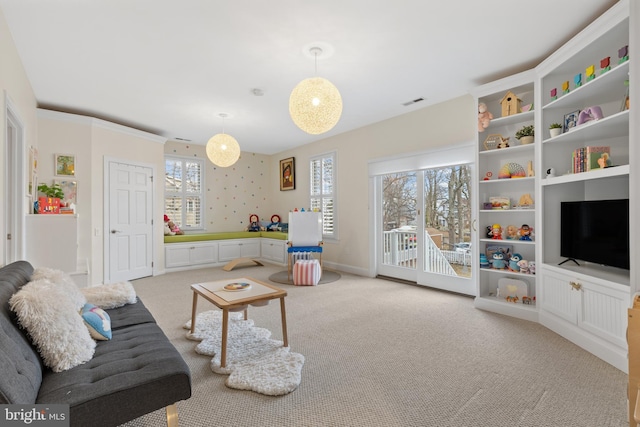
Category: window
[323,192]
[183,191]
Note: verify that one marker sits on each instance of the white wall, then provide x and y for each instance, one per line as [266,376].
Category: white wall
[15,85]
[430,127]
[450,122]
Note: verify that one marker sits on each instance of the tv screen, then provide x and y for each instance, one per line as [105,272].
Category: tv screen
[596,231]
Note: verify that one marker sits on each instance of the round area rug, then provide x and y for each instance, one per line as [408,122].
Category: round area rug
[327,277]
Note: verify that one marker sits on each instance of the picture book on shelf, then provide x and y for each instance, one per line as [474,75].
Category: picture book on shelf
[590,158]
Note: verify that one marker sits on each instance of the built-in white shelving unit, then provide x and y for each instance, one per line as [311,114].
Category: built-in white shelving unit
[585,303]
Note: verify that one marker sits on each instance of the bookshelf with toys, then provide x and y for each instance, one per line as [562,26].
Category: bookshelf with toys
[585,86]
[506,194]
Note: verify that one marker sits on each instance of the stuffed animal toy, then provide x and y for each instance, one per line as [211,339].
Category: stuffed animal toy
[167,230]
[275,223]
[524,266]
[504,143]
[175,228]
[254,225]
[498,261]
[513,262]
[484,117]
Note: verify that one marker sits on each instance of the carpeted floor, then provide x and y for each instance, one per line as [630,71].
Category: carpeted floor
[381,353]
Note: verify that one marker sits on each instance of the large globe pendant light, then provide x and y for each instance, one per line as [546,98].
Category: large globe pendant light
[223,150]
[315,104]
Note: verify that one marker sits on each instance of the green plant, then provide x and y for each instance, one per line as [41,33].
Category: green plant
[54,190]
[555,126]
[525,131]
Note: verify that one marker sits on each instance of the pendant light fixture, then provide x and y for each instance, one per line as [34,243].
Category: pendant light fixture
[223,150]
[315,104]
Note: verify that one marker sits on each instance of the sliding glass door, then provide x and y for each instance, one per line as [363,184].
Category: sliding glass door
[425,227]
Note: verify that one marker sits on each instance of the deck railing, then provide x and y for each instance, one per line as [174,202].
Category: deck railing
[400,249]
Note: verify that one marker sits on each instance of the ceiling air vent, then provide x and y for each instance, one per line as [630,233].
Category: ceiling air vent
[182,139]
[406,104]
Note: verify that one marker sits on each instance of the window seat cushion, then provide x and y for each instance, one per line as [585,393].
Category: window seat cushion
[224,236]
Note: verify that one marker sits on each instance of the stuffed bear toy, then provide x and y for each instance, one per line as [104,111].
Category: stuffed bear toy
[484,117]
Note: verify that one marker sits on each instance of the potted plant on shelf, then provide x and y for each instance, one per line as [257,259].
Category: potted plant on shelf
[555,129]
[50,204]
[525,135]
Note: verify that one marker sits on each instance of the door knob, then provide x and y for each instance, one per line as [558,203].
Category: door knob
[115,231]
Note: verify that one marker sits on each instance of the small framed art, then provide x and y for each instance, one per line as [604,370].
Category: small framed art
[70,190]
[570,121]
[287,174]
[65,165]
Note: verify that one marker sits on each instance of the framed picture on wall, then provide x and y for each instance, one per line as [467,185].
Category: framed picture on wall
[65,165]
[287,174]
[70,190]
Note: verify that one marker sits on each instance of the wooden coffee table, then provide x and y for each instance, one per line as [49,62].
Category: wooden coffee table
[233,301]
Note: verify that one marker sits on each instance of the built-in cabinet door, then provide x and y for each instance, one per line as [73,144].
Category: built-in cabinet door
[604,311]
[599,308]
[274,250]
[248,248]
[558,296]
[181,255]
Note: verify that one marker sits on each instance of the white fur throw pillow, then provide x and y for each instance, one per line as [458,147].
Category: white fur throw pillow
[112,295]
[56,328]
[64,281]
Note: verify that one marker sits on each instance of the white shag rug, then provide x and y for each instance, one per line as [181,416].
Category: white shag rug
[254,361]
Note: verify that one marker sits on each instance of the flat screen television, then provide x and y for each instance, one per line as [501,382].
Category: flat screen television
[595,231]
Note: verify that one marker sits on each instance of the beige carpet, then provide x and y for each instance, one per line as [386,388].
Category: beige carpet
[380,353]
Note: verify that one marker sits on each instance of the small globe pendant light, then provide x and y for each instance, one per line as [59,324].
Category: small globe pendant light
[222,149]
[315,104]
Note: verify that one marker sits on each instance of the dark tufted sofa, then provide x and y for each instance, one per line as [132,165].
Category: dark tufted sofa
[138,371]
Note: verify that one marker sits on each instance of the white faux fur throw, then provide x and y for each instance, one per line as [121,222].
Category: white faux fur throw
[56,328]
[112,295]
[62,280]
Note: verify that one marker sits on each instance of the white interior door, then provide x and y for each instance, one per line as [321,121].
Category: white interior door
[130,221]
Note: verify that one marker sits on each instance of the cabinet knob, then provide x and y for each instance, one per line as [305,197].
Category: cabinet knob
[575,286]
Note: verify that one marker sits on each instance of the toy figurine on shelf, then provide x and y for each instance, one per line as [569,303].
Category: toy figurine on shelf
[577,80]
[565,87]
[554,93]
[525,232]
[590,72]
[623,54]
[513,262]
[512,232]
[524,266]
[484,262]
[498,261]
[496,232]
[605,65]
[489,231]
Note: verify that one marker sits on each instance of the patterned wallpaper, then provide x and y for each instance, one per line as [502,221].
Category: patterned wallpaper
[232,193]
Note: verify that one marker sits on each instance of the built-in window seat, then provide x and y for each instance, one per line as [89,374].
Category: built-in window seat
[187,251]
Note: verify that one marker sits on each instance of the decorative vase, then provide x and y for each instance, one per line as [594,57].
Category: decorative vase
[555,132]
[526,140]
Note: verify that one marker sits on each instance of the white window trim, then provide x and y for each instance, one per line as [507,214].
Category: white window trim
[334,155]
[202,187]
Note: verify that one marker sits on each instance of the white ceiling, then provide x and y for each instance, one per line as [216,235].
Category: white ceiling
[170,67]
